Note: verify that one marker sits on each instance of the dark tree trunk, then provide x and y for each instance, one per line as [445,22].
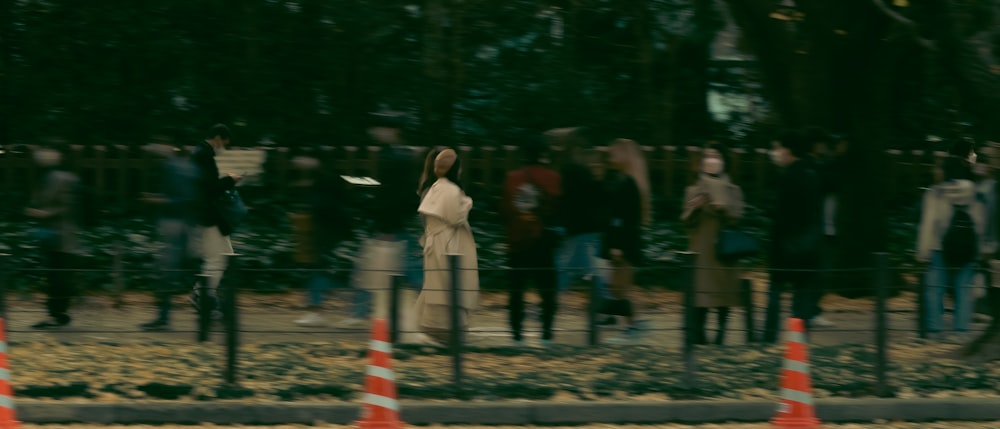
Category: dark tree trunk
[818,82]
[862,106]
[965,37]
[773,47]
[438,104]
[6,68]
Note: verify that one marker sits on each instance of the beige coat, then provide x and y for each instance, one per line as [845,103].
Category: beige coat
[716,284]
[446,231]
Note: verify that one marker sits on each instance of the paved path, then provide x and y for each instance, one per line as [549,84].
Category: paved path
[269,319]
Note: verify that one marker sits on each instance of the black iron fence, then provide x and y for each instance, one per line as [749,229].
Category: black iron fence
[236,273]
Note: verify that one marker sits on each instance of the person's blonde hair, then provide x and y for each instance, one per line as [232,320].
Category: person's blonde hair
[635,167]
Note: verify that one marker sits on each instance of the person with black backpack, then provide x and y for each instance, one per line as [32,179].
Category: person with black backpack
[529,206]
[952,224]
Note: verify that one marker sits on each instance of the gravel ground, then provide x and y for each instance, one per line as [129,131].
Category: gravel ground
[899,425]
[334,371]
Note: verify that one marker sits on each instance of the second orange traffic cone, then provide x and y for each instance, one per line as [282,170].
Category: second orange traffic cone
[8,420]
[381,409]
[797,410]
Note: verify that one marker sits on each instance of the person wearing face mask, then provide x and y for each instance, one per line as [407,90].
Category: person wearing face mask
[712,203]
[796,235]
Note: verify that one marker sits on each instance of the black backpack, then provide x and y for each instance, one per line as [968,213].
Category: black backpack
[960,245]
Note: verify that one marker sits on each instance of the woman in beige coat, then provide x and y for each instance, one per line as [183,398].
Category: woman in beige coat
[712,203]
[445,209]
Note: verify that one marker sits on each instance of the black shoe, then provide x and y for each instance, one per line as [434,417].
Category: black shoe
[611,320]
[195,299]
[51,323]
[157,325]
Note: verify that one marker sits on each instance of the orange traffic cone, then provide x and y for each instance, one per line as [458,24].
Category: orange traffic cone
[796,410]
[7,418]
[381,407]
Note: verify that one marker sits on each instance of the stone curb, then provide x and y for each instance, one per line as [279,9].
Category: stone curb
[512,413]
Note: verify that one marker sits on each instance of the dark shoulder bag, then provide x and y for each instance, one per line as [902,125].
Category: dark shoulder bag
[231,208]
[735,244]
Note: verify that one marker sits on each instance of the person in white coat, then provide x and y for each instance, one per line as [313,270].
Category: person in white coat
[941,202]
[445,209]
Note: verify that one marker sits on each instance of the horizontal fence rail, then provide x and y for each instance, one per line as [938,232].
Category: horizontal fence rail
[675,329]
[120,173]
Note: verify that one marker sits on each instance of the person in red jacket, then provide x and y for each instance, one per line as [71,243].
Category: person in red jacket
[530,202]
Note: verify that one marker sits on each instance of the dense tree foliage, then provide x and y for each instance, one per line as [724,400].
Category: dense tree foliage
[307,71]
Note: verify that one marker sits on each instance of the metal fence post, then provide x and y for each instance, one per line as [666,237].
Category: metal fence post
[117,274]
[690,368]
[230,283]
[456,328]
[749,322]
[204,311]
[394,308]
[922,307]
[592,309]
[881,325]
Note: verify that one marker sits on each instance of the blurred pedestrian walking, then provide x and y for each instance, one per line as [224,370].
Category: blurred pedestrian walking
[175,200]
[55,207]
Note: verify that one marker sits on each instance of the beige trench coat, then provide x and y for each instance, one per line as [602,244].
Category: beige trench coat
[716,284]
[446,231]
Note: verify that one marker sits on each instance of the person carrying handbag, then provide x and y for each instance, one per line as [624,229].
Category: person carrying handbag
[216,202]
[712,204]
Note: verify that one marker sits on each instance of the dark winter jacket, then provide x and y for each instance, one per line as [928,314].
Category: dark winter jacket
[211,187]
[395,202]
[798,219]
[582,206]
[623,229]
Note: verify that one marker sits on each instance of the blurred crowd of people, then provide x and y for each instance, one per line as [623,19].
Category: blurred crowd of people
[568,218]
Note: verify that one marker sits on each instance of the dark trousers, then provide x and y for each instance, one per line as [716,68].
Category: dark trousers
[805,303]
[60,284]
[701,319]
[176,236]
[536,267]
[828,263]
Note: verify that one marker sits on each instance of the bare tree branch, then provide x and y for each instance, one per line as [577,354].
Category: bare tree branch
[908,24]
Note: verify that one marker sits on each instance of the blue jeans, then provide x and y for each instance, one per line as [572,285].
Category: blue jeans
[413,275]
[176,237]
[317,286]
[938,281]
[575,258]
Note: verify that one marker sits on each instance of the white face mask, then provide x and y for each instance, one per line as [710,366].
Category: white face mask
[713,166]
[972,158]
